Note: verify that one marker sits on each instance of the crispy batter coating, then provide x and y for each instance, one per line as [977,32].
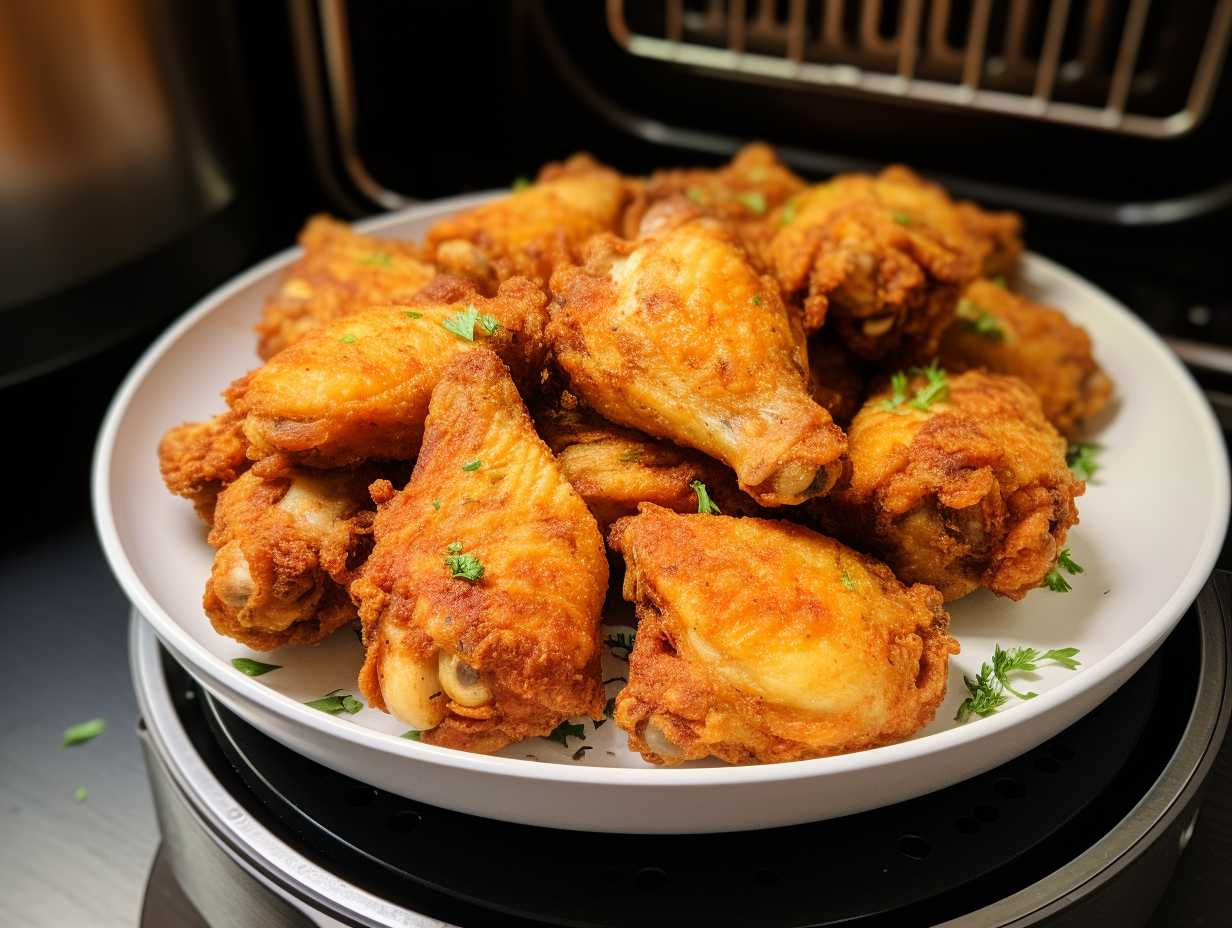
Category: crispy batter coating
[742,192]
[614,468]
[882,259]
[531,231]
[358,388]
[509,653]
[1002,332]
[288,542]
[973,491]
[838,378]
[198,459]
[340,272]
[761,641]
[677,335]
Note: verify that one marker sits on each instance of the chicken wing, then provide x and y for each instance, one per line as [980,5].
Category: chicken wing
[614,468]
[971,490]
[287,542]
[532,230]
[340,272]
[1008,334]
[481,599]
[761,641]
[838,379]
[198,459]
[883,259]
[358,388]
[678,336]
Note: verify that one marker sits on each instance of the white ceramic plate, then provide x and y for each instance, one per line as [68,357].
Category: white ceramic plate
[1152,524]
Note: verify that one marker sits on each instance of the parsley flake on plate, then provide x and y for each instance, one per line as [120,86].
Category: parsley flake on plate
[247,665]
[1053,579]
[987,692]
[334,702]
[83,732]
[412,735]
[566,730]
[1082,458]
[705,505]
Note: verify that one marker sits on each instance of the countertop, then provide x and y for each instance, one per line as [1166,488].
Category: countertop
[66,863]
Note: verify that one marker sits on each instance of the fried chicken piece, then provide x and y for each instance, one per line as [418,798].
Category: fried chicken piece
[1002,332]
[838,379]
[532,230]
[340,272]
[481,599]
[760,641]
[198,459]
[881,259]
[971,491]
[287,542]
[741,193]
[677,335]
[357,389]
[614,468]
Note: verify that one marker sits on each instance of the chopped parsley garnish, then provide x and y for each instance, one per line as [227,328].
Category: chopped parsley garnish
[622,641]
[898,391]
[979,320]
[999,280]
[757,175]
[411,314]
[334,702]
[566,730]
[463,566]
[987,692]
[83,732]
[902,219]
[1053,579]
[632,456]
[847,581]
[756,300]
[378,259]
[436,504]
[696,194]
[1081,458]
[348,339]
[581,752]
[705,505]
[788,216]
[412,735]
[936,388]
[253,668]
[520,183]
[463,323]
[754,201]
[79,794]
[609,709]
[473,464]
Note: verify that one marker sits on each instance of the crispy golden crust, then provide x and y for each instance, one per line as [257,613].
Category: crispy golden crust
[198,459]
[531,231]
[882,259]
[357,388]
[529,628]
[760,641]
[678,336]
[288,541]
[1034,343]
[614,468]
[340,272]
[972,492]
[838,379]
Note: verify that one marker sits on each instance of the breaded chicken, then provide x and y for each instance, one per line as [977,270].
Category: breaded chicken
[198,459]
[678,336]
[288,541]
[838,378]
[881,259]
[742,193]
[971,491]
[357,389]
[340,272]
[1002,332]
[481,599]
[615,468]
[761,641]
[532,230]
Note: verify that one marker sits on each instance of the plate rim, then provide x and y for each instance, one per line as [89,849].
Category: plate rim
[1137,647]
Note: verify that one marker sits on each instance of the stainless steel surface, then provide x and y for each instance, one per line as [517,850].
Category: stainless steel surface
[783,49]
[103,151]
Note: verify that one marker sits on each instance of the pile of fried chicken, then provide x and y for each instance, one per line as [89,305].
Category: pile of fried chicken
[801,418]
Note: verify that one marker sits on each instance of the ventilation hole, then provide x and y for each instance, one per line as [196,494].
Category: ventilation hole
[650,878]
[1009,788]
[914,846]
[987,813]
[1061,751]
[360,795]
[404,821]
[1046,765]
[765,877]
[967,825]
